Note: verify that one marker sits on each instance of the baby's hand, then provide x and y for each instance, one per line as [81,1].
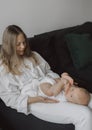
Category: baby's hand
[64,74]
[67,77]
[66,88]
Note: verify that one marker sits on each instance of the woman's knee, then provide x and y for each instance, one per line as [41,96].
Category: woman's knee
[86,114]
[85,120]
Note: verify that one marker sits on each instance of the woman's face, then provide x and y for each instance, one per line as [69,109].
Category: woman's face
[20,45]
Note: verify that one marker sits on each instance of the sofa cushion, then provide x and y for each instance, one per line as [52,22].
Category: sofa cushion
[80,47]
[63,54]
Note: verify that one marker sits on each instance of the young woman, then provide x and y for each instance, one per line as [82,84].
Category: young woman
[21,68]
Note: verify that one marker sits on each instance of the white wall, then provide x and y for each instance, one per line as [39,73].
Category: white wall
[38,16]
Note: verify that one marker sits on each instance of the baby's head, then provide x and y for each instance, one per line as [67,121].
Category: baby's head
[78,95]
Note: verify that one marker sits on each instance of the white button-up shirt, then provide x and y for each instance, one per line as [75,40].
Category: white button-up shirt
[14,89]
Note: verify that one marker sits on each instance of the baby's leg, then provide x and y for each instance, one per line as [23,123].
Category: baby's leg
[46,89]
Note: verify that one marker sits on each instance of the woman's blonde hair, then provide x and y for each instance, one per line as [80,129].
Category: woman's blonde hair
[8,55]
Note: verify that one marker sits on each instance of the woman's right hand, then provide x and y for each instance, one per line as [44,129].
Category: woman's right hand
[49,100]
[41,99]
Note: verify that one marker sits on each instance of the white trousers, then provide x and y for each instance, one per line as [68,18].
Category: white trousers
[64,113]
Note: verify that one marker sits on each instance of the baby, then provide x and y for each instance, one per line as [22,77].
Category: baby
[65,88]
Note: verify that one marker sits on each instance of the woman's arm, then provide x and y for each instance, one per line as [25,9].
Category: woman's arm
[41,100]
[12,96]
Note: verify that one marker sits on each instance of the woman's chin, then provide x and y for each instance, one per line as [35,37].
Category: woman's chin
[21,53]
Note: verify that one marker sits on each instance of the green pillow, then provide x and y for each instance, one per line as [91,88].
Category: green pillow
[80,47]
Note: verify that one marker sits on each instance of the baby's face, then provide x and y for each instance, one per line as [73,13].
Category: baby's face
[77,95]
[71,94]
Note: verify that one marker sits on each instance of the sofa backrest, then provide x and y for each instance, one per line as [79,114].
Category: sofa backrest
[52,46]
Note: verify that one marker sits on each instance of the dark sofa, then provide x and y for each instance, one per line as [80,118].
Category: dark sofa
[52,46]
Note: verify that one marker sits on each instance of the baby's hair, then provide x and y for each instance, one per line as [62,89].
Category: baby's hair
[84,96]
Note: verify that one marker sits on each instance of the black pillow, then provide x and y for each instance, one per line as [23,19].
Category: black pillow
[80,47]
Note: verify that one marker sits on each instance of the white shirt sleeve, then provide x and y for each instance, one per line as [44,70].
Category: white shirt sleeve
[12,97]
[46,67]
[90,102]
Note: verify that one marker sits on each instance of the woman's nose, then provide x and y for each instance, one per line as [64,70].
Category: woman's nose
[22,45]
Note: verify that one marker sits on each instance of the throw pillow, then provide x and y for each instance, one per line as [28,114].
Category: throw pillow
[80,47]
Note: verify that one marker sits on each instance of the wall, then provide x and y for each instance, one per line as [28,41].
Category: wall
[38,16]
